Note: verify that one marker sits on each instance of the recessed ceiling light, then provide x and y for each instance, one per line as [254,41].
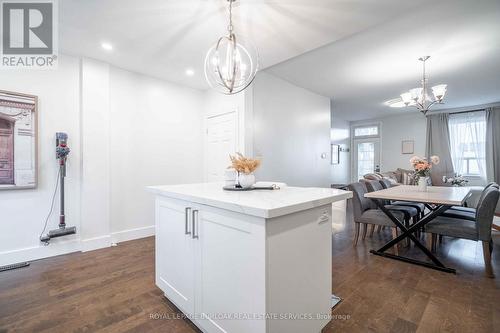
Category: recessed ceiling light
[189,72]
[107,46]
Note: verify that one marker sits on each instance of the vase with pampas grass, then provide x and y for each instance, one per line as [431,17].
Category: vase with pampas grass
[244,167]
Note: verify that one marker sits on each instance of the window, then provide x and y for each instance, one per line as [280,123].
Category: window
[366,149]
[366,131]
[467,143]
[366,158]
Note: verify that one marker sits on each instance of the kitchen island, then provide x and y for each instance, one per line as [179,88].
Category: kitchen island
[249,261]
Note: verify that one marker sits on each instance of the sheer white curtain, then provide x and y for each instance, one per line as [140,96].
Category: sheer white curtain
[467,143]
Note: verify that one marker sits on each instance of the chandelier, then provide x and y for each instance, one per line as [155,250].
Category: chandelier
[420,97]
[231,64]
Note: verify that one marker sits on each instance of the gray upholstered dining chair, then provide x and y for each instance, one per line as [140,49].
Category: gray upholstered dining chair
[366,213]
[478,230]
[468,213]
[409,212]
[419,206]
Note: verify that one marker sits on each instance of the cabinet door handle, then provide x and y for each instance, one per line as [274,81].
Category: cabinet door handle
[186,223]
[193,225]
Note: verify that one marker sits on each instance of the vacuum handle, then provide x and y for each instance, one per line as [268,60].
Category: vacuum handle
[62,215]
[186,223]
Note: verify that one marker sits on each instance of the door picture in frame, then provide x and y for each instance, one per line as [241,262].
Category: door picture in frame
[335,154]
[18,140]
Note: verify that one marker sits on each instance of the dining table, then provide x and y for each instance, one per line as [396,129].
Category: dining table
[437,199]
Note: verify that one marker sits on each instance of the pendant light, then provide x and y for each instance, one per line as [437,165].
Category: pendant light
[420,97]
[231,64]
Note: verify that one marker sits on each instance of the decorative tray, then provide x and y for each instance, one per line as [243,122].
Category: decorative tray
[234,188]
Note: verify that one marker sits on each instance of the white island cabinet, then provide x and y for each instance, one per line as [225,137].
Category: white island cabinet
[246,262]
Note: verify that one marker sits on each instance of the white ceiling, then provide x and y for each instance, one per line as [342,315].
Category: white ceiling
[362,71]
[163,38]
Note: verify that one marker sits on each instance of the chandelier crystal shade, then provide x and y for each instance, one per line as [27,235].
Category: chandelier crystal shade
[419,97]
[232,63]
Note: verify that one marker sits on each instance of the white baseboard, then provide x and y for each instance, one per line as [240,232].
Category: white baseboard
[131,234]
[58,247]
[96,243]
[39,252]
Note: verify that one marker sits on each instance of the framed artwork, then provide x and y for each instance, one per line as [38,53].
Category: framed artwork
[18,140]
[407,146]
[335,154]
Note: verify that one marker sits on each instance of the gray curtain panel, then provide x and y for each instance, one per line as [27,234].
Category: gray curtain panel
[493,144]
[438,143]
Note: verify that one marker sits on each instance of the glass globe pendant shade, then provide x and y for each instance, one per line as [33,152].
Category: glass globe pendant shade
[439,91]
[406,98]
[416,94]
[231,64]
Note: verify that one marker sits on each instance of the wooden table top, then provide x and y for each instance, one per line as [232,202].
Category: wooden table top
[441,195]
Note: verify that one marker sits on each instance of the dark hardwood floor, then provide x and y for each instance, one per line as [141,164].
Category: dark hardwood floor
[108,290]
[112,290]
[384,295]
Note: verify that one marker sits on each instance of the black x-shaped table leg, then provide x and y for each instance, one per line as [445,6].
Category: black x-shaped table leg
[408,233]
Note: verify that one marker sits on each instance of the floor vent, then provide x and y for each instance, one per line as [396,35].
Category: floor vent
[14,266]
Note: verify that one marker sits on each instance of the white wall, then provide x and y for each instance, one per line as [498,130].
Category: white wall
[216,103]
[155,138]
[22,212]
[395,129]
[340,135]
[291,129]
[95,127]
[126,131]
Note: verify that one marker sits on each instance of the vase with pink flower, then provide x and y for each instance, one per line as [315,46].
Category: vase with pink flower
[422,170]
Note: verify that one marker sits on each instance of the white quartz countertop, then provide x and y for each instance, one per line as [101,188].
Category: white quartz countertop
[260,203]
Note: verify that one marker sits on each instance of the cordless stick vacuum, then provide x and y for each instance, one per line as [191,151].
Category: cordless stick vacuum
[62,152]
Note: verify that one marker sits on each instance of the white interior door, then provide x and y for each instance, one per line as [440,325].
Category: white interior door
[366,157]
[221,140]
